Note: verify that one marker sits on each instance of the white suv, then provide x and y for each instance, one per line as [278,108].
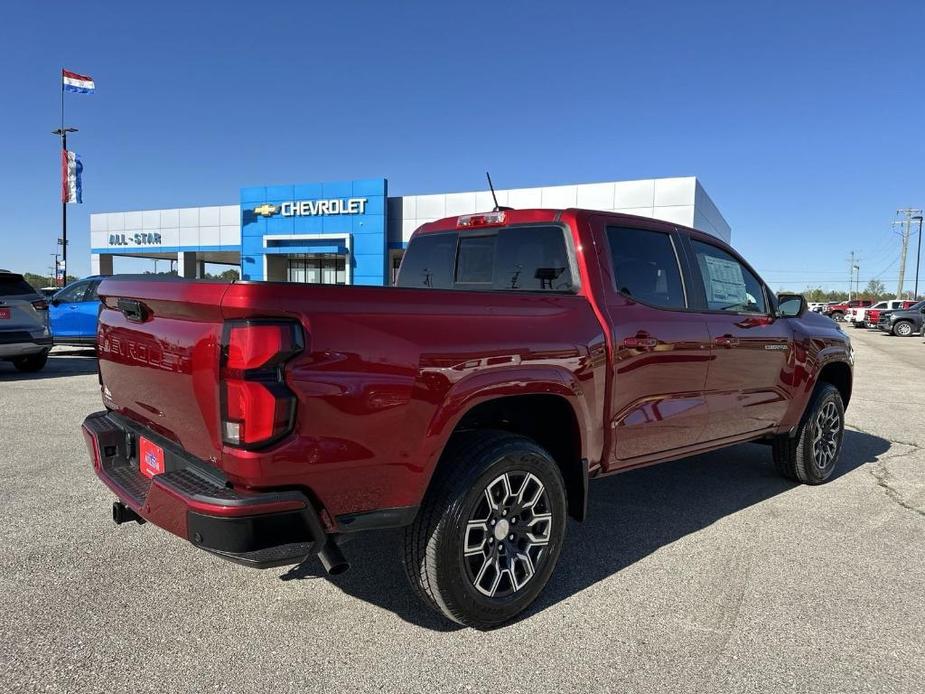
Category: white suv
[24,335]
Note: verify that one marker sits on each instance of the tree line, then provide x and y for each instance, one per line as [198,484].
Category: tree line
[875,290]
[42,281]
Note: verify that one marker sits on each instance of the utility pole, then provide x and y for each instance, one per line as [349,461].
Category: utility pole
[57,268]
[908,214]
[852,266]
[918,257]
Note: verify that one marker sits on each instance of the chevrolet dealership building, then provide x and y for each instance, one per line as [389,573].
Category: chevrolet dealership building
[352,232]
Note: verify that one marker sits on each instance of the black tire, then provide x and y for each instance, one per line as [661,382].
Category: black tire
[470,471]
[799,458]
[837,316]
[31,363]
[903,328]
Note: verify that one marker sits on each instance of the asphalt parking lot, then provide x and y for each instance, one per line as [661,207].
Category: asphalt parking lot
[707,574]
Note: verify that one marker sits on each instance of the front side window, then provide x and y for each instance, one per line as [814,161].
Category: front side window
[73,294]
[728,284]
[645,267]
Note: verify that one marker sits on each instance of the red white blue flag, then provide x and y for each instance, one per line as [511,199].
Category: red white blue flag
[72,82]
[71,170]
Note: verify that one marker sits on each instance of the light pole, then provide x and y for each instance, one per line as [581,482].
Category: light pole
[918,255]
[56,255]
[62,132]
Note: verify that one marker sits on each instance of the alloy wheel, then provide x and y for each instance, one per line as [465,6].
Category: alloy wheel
[827,433]
[507,534]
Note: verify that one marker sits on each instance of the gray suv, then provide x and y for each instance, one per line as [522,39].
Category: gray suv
[24,335]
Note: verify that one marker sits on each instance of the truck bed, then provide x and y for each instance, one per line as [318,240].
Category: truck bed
[377,360]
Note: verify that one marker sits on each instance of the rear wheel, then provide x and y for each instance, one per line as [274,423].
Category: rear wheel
[902,328]
[31,363]
[837,315]
[812,454]
[489,533]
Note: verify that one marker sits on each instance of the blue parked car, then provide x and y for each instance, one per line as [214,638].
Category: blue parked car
[73,312]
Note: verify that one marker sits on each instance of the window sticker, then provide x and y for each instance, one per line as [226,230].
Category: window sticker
[727,285]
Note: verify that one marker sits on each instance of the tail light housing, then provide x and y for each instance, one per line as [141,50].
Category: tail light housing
[40,305]
[257,407]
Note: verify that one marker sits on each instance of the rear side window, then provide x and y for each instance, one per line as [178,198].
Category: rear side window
[534,259]
[645,266]
[729,285]
[14,285]
[429,262]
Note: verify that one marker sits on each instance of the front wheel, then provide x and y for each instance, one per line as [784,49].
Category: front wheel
[812,454]
[903,328]
[489,533]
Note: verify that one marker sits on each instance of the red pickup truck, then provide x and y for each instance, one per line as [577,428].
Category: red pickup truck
[523,354]
[839,311]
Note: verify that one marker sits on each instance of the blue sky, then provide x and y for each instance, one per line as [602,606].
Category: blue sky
[802,120]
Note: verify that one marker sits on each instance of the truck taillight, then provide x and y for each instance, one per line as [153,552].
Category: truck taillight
[258,407]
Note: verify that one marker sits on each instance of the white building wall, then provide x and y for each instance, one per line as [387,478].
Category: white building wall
[187,228]
[679,200]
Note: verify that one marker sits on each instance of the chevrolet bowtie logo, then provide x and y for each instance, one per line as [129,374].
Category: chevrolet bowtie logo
[266,210]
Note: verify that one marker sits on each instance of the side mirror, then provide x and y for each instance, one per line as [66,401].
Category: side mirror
[791,305]
[54,302]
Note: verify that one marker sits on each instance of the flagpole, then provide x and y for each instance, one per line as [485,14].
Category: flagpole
[63,199]
[62,132]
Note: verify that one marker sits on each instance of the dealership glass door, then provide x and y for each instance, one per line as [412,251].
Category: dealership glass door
[317,268]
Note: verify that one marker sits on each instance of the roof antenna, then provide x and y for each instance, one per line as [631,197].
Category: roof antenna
[494,197]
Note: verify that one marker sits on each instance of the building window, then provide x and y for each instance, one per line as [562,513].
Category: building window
[325,268]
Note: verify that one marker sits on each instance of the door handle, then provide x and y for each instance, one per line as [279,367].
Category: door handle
[642,340]
[726,341]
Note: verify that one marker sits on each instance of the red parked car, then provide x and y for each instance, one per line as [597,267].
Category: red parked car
[524,354]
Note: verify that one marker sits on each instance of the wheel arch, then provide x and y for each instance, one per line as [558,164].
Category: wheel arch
[549,412]
[839,374]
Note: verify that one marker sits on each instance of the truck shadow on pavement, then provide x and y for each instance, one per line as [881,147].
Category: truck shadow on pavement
[630,516]
[75,362]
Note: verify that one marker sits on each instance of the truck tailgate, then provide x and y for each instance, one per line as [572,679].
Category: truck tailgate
[159,344]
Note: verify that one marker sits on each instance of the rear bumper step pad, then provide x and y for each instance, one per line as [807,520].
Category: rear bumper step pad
[193,501]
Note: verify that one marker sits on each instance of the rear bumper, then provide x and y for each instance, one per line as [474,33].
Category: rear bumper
[192,500]
[22,343]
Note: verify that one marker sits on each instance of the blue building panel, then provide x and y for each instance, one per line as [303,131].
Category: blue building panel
[362,223]
[337,189]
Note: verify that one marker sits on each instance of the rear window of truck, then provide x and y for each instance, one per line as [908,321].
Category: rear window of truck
[532,259]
